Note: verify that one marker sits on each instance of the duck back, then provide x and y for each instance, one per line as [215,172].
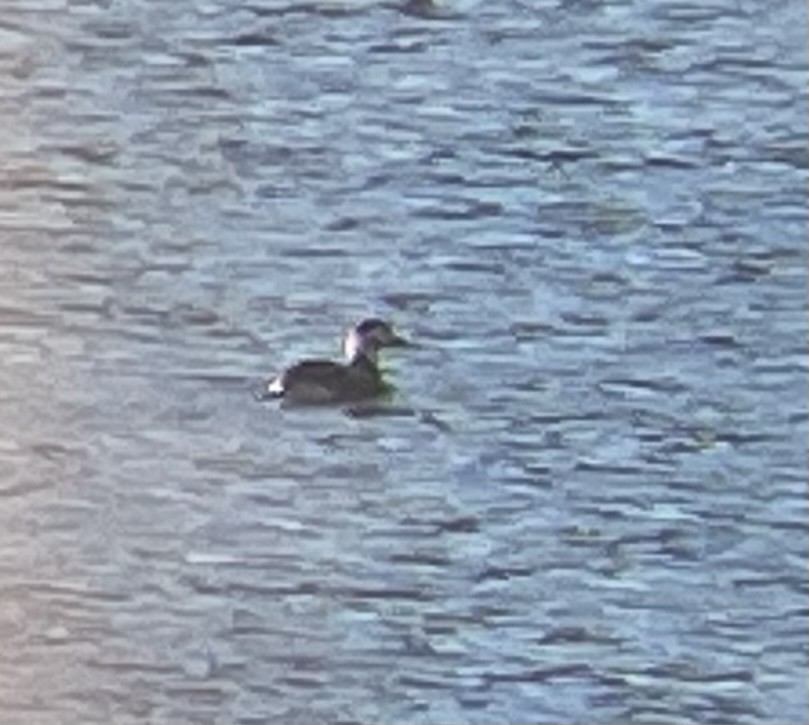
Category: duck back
[324,381]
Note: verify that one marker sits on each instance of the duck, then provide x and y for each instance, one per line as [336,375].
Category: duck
[318,382]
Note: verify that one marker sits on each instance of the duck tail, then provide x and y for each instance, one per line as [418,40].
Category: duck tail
[274,389]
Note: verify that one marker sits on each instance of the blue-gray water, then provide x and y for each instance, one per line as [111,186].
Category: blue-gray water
[587,501]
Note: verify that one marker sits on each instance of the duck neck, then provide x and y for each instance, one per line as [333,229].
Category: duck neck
[358,348]
[363,359]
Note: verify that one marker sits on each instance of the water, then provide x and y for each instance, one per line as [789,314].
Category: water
[587,500]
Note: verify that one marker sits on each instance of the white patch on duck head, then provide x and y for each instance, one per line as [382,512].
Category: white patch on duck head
[357,344]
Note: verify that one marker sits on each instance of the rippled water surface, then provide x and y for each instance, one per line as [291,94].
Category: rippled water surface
[587,499]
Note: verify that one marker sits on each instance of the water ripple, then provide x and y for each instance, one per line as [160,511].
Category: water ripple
[586,497]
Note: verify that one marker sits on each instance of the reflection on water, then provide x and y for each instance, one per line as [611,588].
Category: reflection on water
[586,500]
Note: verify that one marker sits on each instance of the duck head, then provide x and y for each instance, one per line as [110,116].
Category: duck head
[368,337]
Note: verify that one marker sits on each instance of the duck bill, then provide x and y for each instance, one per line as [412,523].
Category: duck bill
[398,341]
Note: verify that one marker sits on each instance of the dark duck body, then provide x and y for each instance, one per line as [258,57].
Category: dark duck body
[326,381]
